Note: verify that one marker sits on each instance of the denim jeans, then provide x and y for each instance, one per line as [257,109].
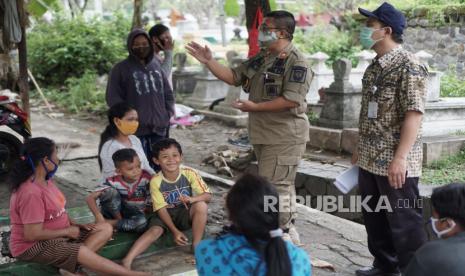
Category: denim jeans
[147,142]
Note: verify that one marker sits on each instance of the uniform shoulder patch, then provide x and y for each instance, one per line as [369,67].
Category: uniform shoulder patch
[298,74]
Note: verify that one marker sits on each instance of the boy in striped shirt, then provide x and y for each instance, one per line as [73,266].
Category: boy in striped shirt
[179,197]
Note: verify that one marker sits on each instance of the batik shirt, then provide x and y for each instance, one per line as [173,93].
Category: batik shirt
[395,83]
[167,193]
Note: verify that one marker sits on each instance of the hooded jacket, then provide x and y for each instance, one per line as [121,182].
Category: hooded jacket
[144,87]
[231,254]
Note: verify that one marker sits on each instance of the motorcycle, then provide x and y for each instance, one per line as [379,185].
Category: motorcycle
[14,129]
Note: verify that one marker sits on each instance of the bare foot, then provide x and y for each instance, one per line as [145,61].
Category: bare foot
[190,260]
[126,263]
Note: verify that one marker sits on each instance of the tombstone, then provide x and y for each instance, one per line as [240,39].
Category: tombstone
[364,59]
[343,102]
[207,89]
[434,77]
[322,77]
[183,78]
[234,93]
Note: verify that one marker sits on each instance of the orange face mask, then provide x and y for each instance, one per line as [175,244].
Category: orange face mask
[127,127]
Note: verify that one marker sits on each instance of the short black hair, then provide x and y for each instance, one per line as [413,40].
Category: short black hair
[398,38]
[157,30]
[165,144]
[123,155]
[449,202]
[283,20]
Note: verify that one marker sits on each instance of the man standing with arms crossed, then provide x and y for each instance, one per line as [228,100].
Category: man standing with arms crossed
[277,80]
[390,147]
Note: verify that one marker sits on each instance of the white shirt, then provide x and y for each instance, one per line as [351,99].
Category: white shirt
[113,145]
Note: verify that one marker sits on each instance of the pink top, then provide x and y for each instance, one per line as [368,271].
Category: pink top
[34,203]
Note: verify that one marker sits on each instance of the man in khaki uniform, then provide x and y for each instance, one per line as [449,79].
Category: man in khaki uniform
[277,80]
[390,148]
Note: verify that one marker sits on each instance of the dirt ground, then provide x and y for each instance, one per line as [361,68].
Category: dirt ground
[340,242]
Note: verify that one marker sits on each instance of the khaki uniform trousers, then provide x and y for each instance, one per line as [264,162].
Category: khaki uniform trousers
[278,164]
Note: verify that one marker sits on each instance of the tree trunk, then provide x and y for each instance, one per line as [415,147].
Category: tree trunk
[251,10]
[137,16]
[22,51]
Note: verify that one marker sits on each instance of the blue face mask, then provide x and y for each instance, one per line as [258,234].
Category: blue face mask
[50,174]
[266,38]
[365,37]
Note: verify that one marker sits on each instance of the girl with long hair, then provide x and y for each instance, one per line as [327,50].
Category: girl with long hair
[253,244]
[41,230]
[119,134]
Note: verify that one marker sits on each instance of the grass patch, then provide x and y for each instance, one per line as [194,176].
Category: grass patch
[445,171]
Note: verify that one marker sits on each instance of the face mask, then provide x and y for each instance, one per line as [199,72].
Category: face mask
[438,233]
[127,128]
[50,174]
[141,52]
[266,38]
[365,37]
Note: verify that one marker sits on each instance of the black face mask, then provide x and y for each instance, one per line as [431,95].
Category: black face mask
[141,52]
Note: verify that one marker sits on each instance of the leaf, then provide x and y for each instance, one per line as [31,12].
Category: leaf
[38,7]
[322,264]
[232,8]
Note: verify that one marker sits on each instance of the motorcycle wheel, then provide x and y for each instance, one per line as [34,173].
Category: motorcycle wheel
[10,148]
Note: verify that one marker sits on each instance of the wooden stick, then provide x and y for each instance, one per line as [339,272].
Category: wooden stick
[180,195]
[40,90]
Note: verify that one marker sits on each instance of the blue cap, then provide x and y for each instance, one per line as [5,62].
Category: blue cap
[389,15]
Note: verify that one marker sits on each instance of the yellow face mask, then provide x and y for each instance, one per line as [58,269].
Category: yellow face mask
[127,127]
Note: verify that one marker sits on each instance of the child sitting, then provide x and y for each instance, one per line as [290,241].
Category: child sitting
[179,198]
[253,244]
[123,197]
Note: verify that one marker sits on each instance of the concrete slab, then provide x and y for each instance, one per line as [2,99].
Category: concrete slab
[436,148]
[320,182]
[349,139]
[232,120]
[325,138]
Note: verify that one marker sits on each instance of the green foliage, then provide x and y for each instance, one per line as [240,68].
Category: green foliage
[37,8]
[445,171]
[334,43]
[67,48]
[83,94]
[451,85]
[312,117]
[273,5]
[232,8]
[438,12]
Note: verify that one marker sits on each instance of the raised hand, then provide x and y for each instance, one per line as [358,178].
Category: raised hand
[202,54]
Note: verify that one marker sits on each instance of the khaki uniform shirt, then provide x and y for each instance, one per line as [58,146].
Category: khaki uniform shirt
[395,84]
[266,77]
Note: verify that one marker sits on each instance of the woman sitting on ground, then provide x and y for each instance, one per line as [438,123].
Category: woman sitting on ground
[41,230]
[119,134]
[253,245]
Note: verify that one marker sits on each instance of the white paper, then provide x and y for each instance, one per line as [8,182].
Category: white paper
[347,180]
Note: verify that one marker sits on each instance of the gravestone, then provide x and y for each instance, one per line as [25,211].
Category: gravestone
[322,76]
[364,59]
[234,92]
[208,89]
[184,80]
[342,101]
[434,77]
